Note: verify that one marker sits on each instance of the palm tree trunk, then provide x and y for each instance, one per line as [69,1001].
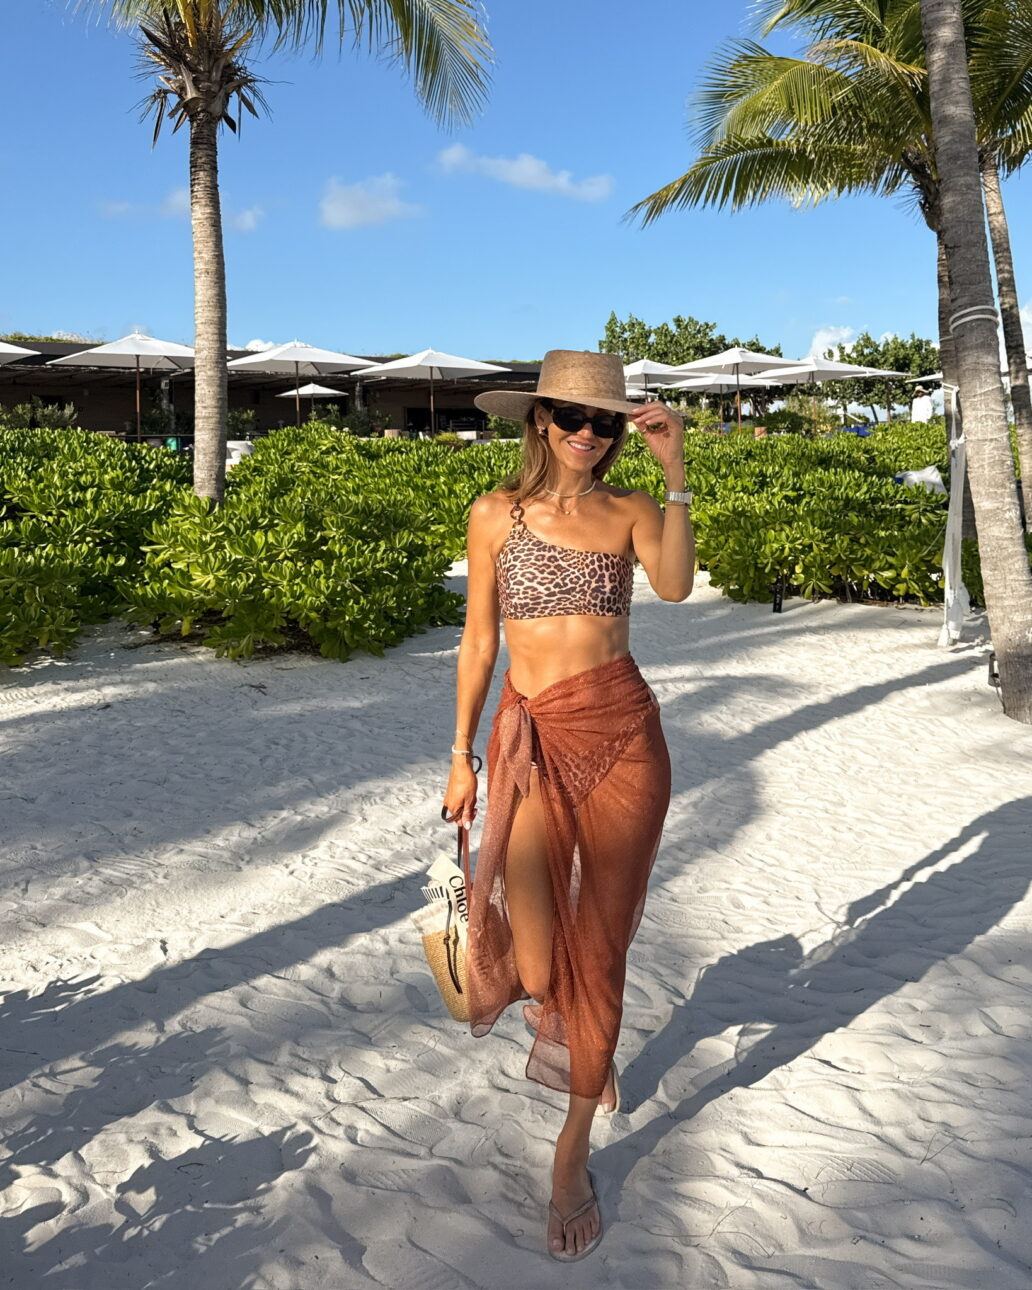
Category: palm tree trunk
[1013,334]
[948,363]
[1005,566]
[210,377]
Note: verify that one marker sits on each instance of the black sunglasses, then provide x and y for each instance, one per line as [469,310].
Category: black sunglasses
[570,418]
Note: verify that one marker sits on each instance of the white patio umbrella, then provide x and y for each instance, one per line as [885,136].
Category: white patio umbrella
[813,371]
[737,362]
[638,373]
[301,360]
[431,365]
[313,392]
[713,384]
[132,352]
[11,353]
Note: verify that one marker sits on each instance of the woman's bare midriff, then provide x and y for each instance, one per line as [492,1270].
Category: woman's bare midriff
[545,650]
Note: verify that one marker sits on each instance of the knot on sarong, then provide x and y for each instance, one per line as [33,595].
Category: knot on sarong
[575,728]
[516,741]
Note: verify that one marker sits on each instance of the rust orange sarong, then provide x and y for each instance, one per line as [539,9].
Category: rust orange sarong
[604,776]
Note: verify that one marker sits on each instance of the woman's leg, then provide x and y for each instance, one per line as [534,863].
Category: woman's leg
[618,832]
[528,893]
[530,902]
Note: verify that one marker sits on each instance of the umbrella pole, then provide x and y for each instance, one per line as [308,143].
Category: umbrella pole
[139,433]
[738,395]
[297,396]
[433,418]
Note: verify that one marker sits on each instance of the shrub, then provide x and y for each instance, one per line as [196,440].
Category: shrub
[703,419]
[504,428]
[74,508]
[339,544]
[241,423]
[824,512]
[361,422]
[36,414]
[785,421]
[316,544]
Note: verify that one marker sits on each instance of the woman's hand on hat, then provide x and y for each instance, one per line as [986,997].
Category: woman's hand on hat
[663,431]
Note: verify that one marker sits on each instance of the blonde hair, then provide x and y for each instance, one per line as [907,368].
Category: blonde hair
[536,470]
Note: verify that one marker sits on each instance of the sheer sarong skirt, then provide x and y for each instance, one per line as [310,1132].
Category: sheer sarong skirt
[604,780]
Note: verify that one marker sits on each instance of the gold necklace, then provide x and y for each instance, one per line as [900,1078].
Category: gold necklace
[584,494]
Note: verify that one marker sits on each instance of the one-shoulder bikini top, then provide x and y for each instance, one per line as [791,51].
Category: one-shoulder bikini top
[537,579]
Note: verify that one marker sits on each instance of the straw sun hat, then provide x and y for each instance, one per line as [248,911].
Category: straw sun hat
[573,375]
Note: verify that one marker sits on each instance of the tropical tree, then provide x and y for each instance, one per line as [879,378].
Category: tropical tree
[201,52]
[852,115]
[1005,567]
[682,340]
[912,354]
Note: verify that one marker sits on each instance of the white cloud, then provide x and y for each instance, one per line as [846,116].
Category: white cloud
[370,201]
[177,204]
[835,338]
[246,221]
[529,172]
[117,210]
[258,346]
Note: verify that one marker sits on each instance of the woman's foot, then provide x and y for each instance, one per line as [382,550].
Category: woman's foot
[609,1102]
[571,1189]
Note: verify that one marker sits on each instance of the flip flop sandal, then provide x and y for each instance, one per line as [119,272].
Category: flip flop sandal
[611,1110]
[559,1255]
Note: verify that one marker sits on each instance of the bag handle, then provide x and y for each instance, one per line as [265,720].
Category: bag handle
[462,855]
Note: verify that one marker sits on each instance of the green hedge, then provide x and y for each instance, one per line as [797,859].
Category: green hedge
[343,544]
[74,508]
[319,542]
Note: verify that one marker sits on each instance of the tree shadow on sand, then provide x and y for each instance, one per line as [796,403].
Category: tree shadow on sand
[887,939]
[188,1221]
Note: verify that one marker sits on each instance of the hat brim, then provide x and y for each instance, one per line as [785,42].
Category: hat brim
[515,405]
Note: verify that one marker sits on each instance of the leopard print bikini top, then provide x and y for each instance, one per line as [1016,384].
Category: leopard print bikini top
[537,579]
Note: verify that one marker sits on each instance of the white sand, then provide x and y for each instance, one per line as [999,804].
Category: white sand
[225,1064]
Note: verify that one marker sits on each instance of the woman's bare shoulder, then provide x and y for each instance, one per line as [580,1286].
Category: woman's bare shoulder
[631,500]
[490,508]
[489,517]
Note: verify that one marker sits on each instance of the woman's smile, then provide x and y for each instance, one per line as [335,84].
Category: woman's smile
[580,446]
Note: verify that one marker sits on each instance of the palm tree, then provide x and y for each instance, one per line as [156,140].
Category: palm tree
[1005,567]
[853,116]
[201,49]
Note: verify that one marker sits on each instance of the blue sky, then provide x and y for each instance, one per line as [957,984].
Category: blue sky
[354,222]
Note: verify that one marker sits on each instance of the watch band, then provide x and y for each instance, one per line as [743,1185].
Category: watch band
[685,499]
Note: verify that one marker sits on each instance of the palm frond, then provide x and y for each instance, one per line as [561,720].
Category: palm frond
[747,89]
[860,55]
[201,64]
[746,171]
[442,44]
[857,18]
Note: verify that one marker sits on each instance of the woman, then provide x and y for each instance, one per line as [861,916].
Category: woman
[578,771]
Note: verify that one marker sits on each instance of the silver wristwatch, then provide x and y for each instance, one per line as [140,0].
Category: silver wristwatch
[685,499]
